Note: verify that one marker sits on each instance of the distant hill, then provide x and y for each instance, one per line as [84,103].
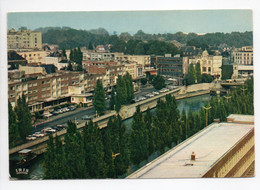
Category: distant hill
[69,38]
[46,29]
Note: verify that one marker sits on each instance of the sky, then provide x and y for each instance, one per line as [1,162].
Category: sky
[198,21]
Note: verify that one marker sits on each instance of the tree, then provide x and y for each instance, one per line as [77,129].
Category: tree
[75,153]
[13,127]
[63,53]
[129,87]
[143,81]
[158,82]
[24,118]
[206,78]
[112,101]
[121,91]
[94,151]
[198,73]
[99,100]
[138,138]
[90,46]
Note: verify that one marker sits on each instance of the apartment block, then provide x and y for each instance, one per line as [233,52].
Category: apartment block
[43,91]
[244,56]
[33,56]
[24,39]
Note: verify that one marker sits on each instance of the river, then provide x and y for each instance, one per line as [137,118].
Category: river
[194,103]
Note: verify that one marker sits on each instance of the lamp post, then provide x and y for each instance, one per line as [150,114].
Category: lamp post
[227,98]
[206,108]
[243,90]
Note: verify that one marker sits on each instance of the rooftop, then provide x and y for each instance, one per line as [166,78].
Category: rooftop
[209,145]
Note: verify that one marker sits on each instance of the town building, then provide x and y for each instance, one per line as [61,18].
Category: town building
[170,66]
[144,60]
[24,39]
[190,51]
[99,56]
[242,71]
[33,56]
[243,56]
[209,64]
[44,91]
[219,150]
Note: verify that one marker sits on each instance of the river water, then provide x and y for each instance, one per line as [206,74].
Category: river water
[194,103]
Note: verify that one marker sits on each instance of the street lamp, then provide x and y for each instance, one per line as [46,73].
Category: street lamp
[227,98]
[243,90]
[206,108]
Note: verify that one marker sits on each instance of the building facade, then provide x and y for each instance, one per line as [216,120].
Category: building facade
[24,39]
[34,56]
[209,64]
[171,66]
[244,56]
[42,91]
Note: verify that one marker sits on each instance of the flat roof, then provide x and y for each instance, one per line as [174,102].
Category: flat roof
[209,145]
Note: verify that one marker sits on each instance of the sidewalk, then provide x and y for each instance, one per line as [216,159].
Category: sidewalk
[61,115]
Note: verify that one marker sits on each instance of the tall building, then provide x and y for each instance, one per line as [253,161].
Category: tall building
[24,39]
[171,66]
[219,150]
[209,64]
[43,91]
[243,56]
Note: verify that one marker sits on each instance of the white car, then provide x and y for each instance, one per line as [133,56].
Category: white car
[155,93]
[30,137]
[149,95]
[38,134]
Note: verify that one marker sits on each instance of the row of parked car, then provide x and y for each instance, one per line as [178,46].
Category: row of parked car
[150,95]
[45,132]
[63,110]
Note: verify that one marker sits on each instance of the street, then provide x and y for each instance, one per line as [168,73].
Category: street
[77,114]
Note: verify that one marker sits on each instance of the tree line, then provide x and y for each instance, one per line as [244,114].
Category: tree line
[109,152]
[20,122]
[71,38]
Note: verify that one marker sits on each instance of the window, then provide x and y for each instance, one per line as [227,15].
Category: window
[209,69]
[204,69]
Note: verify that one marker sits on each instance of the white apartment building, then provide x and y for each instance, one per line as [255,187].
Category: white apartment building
[24,39]
[243,56]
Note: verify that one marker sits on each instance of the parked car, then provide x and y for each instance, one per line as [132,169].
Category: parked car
[155,93]
[72,108]
[30,137]
[60,111]
[65,109]
[149,95]
[38,134]
[86,117]
[55,112]
[142,98]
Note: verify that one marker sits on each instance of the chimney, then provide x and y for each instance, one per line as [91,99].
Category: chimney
[193,156]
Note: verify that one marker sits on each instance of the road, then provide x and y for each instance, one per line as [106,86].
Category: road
[77,114]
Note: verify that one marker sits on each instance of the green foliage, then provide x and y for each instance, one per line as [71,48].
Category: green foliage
[158,82]
[197,44]
[198,73]
[227,72]
[206,78]
[24,118]
[77,56]
[90,46]
[94,151]
[138,138]
[13,127]
[143,81]
[124,91]
[71,38]
[99,100]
